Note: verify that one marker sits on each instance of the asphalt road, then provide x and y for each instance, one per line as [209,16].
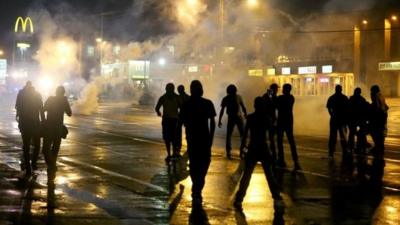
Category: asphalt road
[111,170]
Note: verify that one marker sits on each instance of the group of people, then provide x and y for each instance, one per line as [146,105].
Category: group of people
[37,120]
[273,115]
[360,118]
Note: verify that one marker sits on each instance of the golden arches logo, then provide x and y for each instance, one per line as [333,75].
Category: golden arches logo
[24,23]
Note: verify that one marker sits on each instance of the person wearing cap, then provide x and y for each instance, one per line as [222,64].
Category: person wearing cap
[233,103]
[29,114]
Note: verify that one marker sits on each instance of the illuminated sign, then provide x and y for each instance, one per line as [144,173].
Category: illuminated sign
[23,46]
[24,23]
[327,69]
[389,66]
[270,71]
[256,73]
[193,69]
[308,70]
[3,68]
[138,69]
[324,80]
[285,70]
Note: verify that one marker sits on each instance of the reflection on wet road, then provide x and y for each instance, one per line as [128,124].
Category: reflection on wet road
[111,170]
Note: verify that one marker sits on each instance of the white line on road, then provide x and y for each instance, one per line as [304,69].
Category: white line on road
[108,172]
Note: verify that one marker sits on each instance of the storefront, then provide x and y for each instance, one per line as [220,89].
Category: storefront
[312,80]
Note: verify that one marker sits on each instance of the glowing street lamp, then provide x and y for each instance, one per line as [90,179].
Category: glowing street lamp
[162,61]
[252,3]
[394,18]
[1,52]
[99,40]
[365,22]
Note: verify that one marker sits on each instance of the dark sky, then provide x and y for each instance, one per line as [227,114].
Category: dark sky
[150,21]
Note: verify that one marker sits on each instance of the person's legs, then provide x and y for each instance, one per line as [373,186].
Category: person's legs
[271,136]
[273,185]
[36,150]
[332,136]
[166,136]
[48,157]
[352,134]
[240,126]
[26,142]
[281,156]
[178,138]
[293,149]
[245,180]
[198,170]
[229,131]
[343,142]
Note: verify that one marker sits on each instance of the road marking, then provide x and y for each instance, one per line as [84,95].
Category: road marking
[115,174]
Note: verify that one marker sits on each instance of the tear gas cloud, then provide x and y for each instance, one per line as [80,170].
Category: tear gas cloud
[197,41]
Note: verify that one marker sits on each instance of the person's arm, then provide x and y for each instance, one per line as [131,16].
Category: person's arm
[212,129]
[17,106]
[158,106]
[221,113]
[41,109]
[68,110]
[243,107]
[244,138]
[328,106]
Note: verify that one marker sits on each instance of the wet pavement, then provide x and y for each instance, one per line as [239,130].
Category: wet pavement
[111,170]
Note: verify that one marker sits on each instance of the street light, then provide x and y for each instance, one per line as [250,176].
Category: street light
[252,3]
[394,18]
[365,22]
[1,53]
[162,61]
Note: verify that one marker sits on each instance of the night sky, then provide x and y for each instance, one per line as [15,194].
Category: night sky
[150,21]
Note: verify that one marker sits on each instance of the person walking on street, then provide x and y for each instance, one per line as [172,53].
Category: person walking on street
[198,116]
[170,104]
[257,124]
[270,98]
[358,107]
[232,102]
[285,125]
[29,114]
[183,97]
[337,106]
[54,129]
[378,121]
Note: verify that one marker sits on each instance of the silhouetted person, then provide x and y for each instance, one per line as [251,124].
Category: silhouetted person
[285,125]
[271,109]
[232,102]
[55,106]
[378,121]
[29,107]
[183,97]
[257,123]
[358,108]
[170,104]
[198,116]
[338,110]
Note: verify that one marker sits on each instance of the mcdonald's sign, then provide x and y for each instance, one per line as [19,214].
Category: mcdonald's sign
[24,23]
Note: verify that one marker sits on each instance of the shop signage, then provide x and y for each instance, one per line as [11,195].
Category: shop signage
[389,66]
[308,70]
